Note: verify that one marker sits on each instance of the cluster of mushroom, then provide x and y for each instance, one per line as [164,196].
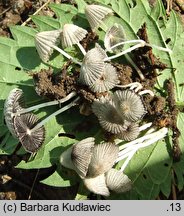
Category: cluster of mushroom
[93,163]
[118,112]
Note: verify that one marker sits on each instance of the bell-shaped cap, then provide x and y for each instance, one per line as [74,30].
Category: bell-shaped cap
[72,34]
[103,158]
[30,139]
[108,117]
[97,185]
[131,131]
[117,181]
[113,36]
[44,42]
[78,156]
[107,81]
[129,104]
[92,66]
[96,14]
[14,102]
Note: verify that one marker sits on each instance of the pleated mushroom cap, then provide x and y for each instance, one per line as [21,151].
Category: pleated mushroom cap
[97,185]
[81,155]
[107,81]
[92,66]
[117,181]
[13,103]
[129,105]
[30,140]
[113,36]
[44,42]
[108,117]
[103,158]
[78,156]
[72,34]
[131,131]
[95,14]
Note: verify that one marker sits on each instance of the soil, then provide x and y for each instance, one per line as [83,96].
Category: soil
[25,184]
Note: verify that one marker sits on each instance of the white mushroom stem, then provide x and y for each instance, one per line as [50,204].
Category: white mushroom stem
[147,91]
[134,66]
[136,86]
[130,149]
[81,49]
[40,124]
[66,54]
[141,44]
[50,103]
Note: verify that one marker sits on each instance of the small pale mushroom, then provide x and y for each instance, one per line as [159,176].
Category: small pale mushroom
[73,34]
[30,140]
[97,185]
[14,102]
[108,117]
[129,105]
[96,14]
[114,35]
[103,158]
[117,181]
[92,66]
[107,81]
[78,156]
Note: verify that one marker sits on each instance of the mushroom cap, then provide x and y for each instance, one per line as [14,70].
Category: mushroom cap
[44,42]
[81,155]
[30,140]
[114,35]
[72,34]
[103,158]
[97,185]
[129,105]
[95,14]
[117,181]
[131,131]
[78,156]
[92,66]
[108,117]
[14,102]
[108,80]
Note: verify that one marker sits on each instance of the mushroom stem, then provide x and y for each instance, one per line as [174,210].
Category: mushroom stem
[66,54]
[135,85]
[81,49]
[130,150]
[160,133]
[135,66]
[40,124]
[147,91]
[141,44]
[50,103]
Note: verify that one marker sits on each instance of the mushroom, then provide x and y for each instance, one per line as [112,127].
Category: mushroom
[73,34]
[107,81]
[96,14]
[129,105]
[104,108]
[97,185]
[30,139]
[117,181]
[78,156]
[103,158]
[14,103]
